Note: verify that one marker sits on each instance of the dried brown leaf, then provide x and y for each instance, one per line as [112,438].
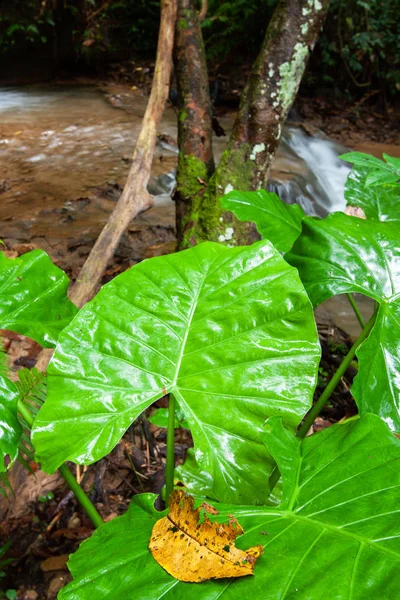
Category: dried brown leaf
[194,549]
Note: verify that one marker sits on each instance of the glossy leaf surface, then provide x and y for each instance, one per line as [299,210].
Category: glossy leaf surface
[381,203]
[10,428]
[33,297]
[230,332]
[344,254]
[335,535]
[276,221]
[377,385]
[380,172]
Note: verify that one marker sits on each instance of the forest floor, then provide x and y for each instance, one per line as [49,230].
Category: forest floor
[43,521]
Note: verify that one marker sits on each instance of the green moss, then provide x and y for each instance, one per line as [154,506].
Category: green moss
[190,170]
[205,219]
[182,24]
[235,171]
[183,115]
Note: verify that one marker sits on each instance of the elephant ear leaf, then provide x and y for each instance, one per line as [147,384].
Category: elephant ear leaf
[276,221]
[337,523]
[380,172]
[344,254]
[10,427]
[380,202]
[33,297]
[216,327]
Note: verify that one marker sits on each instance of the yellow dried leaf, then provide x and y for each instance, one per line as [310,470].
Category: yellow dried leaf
[191,550]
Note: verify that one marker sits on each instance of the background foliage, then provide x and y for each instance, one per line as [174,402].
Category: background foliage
[358,51]
[364,36]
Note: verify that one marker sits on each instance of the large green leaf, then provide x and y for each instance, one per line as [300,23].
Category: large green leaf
[33,297]
[229,331]
[379,172]
[381,203]
[377,385]
[336,534]
[341,254]
[10,428]
[344,254]
[276,221]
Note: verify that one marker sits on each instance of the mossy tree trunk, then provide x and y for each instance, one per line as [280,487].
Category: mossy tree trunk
[271,90]
[196,162]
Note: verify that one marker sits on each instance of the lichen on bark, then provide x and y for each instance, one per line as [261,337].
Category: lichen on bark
[205,219]
[265,103]
[291,73]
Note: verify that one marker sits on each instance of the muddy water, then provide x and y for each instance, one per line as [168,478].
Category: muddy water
[65,154]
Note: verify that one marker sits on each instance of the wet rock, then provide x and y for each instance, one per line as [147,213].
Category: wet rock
[163,184]
[355,211]
[4,186]
[30,595]
[74,522]
[56,584]
[161,249]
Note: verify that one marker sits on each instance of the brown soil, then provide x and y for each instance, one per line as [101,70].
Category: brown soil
[361,126]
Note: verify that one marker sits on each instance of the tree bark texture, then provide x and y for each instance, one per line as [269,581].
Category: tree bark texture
[135,197]
[271,90]
[196,162]
[274,81]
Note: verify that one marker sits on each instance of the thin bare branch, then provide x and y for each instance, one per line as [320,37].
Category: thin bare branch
[135,197]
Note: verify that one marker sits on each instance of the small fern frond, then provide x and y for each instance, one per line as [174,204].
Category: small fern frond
[31,386]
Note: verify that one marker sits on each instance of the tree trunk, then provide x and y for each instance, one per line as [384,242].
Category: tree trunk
[272,87]
[196,162]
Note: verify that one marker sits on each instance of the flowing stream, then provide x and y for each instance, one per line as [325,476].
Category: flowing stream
[65,153]
[317,182]
[64,139]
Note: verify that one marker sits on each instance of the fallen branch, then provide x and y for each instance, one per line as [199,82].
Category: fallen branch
[135,197]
